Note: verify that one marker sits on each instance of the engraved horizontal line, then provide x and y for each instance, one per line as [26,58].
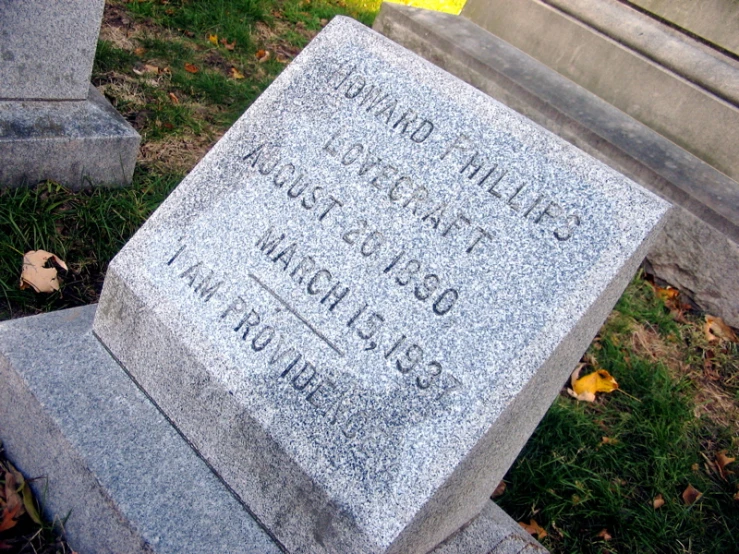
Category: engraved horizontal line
[296,314]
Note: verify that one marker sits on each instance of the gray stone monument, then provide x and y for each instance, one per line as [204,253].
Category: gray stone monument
[359,305]
[53,123]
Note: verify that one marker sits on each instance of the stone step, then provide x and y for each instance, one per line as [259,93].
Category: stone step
[700,245]
[714,21]
[682,89]
[106,459]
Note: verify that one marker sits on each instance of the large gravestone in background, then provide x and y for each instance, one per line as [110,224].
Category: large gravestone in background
[53,123]
[358,306]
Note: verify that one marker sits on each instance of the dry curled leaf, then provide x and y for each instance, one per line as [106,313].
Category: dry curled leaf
[584,388]
[499,490]
[173,98]
[190,68]
[533,528]
[235,73]
[146,69]
[228,45]
[213,39]
[40,271]
[691,495]
[722,460]
[658,502]
[609,440]
[13,505]
[716,330]
[262,55]
[140,51]
[605,535]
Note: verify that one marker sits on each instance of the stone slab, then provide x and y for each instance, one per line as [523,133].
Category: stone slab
[77,144]
[365,389]
[112,463]
[106,457]
[700,244]
[47,48]
[715,21]
[628,69]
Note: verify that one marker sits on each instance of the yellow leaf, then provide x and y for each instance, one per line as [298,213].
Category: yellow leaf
[37,275]
[213,39]
[236,74]
[533,528]
[584,388]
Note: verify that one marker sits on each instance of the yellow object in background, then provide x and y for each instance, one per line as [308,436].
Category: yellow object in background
[447,6]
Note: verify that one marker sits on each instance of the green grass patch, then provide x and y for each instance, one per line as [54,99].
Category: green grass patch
[575,483]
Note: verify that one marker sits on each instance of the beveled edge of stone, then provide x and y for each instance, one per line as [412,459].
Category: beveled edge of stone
[102,452]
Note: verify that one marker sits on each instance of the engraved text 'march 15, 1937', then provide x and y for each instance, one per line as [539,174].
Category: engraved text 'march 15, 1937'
[344,303]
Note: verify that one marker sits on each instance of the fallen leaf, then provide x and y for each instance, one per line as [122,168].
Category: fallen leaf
[235,73]
[26,494]
[584,388]
[13,508]
[608,440]
[605,535]
[499,490]
[190,68]
[140,51]
[173,97]
[37,275]
[262,55]
[722,460]
[658,502]
[145,69]
[533,528]
[213,39]
[716,330]
[691,495]
[228,45]
[695,467]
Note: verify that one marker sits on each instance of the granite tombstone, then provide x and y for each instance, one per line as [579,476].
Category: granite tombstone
[360,303]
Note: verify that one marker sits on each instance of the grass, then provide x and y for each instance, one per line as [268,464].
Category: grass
[591,467]
[678,405]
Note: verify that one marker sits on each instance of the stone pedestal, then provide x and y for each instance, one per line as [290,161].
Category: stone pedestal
[53,124]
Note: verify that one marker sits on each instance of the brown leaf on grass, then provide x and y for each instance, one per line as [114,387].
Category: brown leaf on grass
[190,68]
[25,491]
[533,528]
[605,535]
[584,388]
[228,45]
[140,51]
[608,440]
[235,73]
[262,55]
[145,69]
[722,460]
[691,495]
[213,39]
[658,502]
[173,98]
[13,508]
[716,330]
[36,272]
[499,490]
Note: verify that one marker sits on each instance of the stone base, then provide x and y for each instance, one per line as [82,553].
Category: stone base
[105,455]
[77,144]
[699,248]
